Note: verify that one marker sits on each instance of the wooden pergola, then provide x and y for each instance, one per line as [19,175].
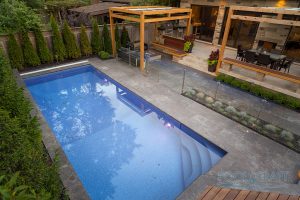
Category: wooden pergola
[147,14]
[279,19]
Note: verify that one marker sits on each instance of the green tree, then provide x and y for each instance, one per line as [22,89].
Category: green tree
[42,47]
[117,37]
[31,58]
[15,16]
[69,39]
[15,53]
[124,37]
[96,41]
[21,140]
[58,47]
[85,45]
[106,39]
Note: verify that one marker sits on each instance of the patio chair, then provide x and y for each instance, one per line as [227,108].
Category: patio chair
[250,57]
[264,60]
[240,54]
[286,65]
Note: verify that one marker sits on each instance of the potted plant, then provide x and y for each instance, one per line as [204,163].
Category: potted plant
[213,60]
[188,43]
[187,47]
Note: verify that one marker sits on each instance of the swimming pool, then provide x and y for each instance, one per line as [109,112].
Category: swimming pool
[120,146]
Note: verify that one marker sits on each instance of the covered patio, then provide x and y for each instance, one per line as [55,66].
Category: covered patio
[262,61]
[147,14]
[275,74]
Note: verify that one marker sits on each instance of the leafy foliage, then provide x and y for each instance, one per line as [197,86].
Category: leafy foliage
[15,16]
[85,45]
[69,39]
[34,3]
[124,37]
[283,99]
[59,50]
[106,39]
[117,37]
[42,47]
[10,189]
[96,41]
[31,58]
[21,141]
[103,55]
[15,53]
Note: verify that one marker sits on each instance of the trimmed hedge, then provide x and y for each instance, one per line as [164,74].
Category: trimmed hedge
[85,45]
[103,55]
[21,140]
[124,37]
[31,58]
[283,99]
[106,39]
[58,47]
[15,53]
[117,37]
[69,39]
[42,48]
[96,41]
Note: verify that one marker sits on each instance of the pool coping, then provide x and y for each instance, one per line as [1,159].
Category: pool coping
[188,193]
[68,175]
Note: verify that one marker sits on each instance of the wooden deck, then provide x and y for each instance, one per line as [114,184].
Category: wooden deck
[218,193]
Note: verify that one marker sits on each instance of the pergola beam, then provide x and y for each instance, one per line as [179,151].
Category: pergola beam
[161,19]
[126,17]
[267,20]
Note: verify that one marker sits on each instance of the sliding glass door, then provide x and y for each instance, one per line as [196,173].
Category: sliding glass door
[241,32]
[204,21]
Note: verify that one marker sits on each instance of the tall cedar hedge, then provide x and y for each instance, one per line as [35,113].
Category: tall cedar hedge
[21,141]
[124,37]
[106,39]
[31,58]
[58,47]
[96,41]
[42,48]
[85,45]
[117,37]
[15,53]
[69,39]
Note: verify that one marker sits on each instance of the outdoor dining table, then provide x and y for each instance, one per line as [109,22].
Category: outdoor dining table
[273,56]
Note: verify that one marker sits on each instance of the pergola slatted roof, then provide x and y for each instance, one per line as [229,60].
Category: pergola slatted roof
[147,14]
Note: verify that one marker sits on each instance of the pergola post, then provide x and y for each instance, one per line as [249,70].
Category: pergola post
[188,24]
[112,33]
[224,41]
[142,39]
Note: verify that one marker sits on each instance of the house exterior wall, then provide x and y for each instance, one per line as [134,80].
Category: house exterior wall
[266,32]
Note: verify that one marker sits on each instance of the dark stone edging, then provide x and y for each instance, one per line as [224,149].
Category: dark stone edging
[277,134]
[68,176]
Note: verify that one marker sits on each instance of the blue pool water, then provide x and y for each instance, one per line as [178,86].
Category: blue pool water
[121,146]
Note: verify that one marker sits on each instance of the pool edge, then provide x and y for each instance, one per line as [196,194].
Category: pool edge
[67,174]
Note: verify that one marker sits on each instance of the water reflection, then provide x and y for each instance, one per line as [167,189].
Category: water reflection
[120,146]
[81,115]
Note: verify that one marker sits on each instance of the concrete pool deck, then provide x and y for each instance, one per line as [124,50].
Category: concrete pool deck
[252,162]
